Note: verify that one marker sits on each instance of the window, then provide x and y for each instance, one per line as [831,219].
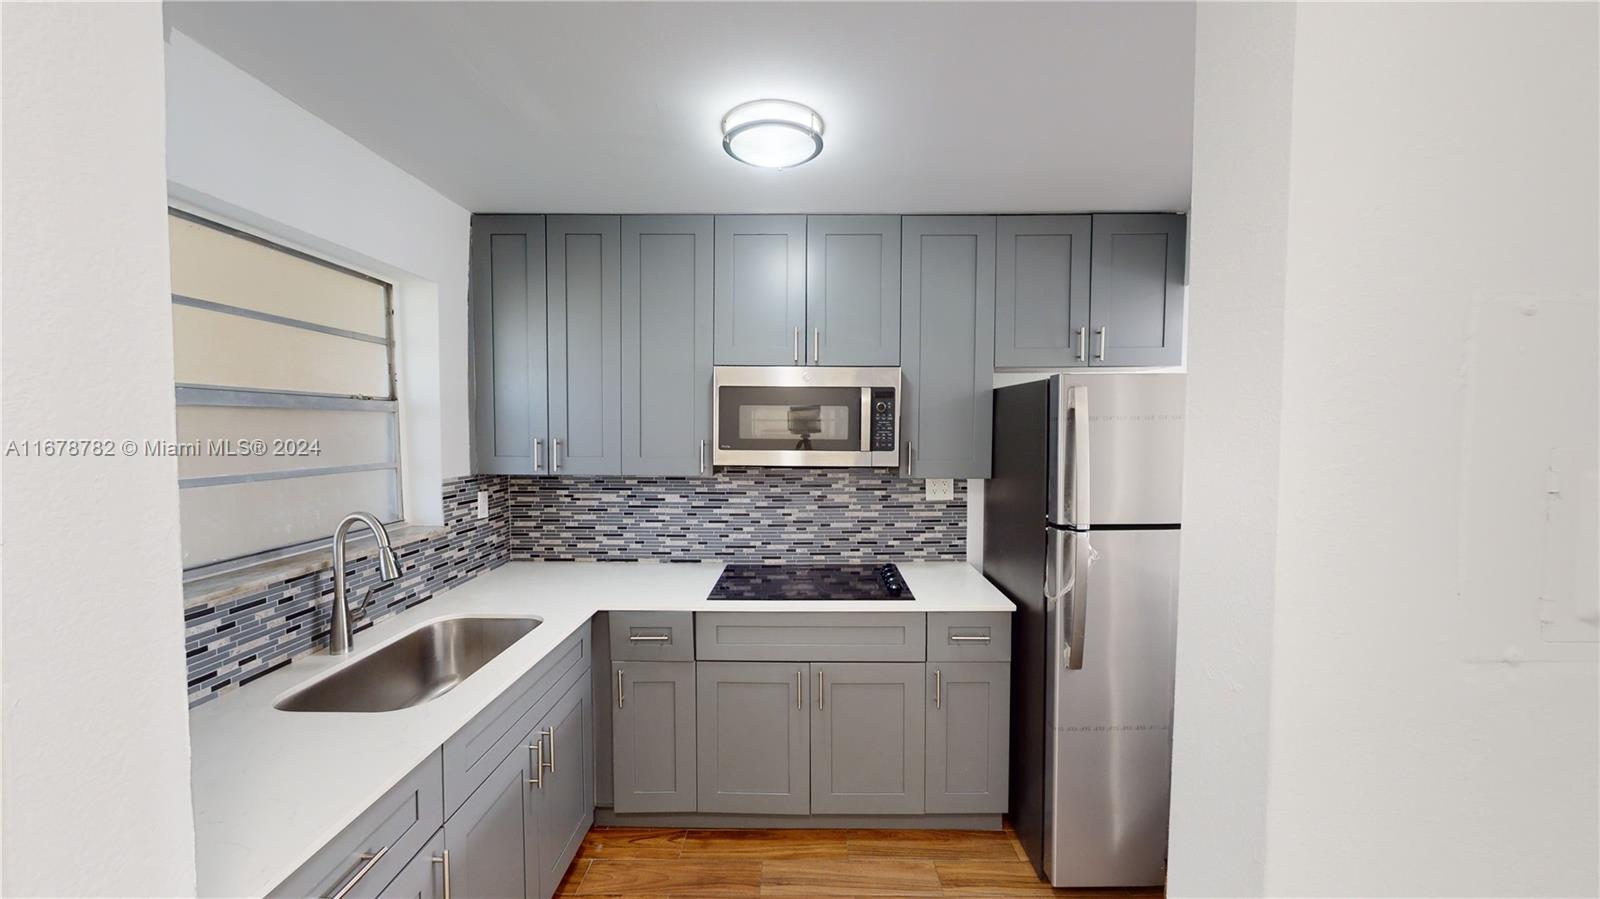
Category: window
[287,413]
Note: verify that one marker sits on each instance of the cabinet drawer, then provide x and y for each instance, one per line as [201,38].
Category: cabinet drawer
[811,636]
[969,636]
[652,636]
[380,842]
[477,748]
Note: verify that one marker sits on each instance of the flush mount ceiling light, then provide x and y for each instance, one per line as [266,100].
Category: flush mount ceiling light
[772,134]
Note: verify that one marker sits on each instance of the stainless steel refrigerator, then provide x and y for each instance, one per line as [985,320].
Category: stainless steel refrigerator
[1080,525]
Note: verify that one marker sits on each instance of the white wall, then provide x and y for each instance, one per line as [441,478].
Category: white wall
[1406,636]
[241,152]
[95,731]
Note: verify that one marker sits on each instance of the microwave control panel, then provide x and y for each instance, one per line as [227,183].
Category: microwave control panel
[883,415]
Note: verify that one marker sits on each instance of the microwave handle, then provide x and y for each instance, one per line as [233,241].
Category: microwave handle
[866,419]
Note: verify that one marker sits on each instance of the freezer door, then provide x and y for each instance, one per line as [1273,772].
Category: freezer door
[1110,721]
[1135,437]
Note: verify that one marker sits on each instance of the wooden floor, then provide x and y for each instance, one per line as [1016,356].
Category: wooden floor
[643,863]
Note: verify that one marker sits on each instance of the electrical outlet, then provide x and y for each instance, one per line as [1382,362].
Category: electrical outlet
[483,504]
[940,489]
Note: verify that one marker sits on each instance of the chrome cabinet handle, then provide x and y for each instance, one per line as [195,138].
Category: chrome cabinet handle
[537,748]
[444,860]
[702,456]
[1100,354]
[619,688]
[965,638]
[816,345]
[649,638]
[538,453]
[796,346]
[797,688]
[908,458]
[822,689]
[938,689]
[370,859]
[555,454]
[550,733]
[1083,337]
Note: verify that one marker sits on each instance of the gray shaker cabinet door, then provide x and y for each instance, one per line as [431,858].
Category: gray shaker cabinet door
[753,737]
[852,290]
[561,807]
[653,731]
[760,290]
[584,262]
[947,345]
[488,838]
[1136,302]
[1041,303]
[969,725]
[866,738]
[666,344]
[507,298]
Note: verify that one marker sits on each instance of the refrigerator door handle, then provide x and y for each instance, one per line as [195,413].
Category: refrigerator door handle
[1069,479]
[1067,586]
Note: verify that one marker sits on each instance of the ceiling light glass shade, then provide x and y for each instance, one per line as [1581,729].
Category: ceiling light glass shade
[772,134]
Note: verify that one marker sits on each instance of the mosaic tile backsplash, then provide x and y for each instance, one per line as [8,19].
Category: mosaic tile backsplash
[736,515]
[233,642]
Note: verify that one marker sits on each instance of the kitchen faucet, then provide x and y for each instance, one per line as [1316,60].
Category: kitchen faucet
[339,636]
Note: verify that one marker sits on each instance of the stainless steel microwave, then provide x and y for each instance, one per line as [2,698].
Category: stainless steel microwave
[806,416]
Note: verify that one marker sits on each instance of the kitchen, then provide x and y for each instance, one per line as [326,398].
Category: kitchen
[786,465]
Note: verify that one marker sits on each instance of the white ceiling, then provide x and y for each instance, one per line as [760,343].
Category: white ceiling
[614,107]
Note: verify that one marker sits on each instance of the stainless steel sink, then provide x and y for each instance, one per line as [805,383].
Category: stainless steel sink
[426,663]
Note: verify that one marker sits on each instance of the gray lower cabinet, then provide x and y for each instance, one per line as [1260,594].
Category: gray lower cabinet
[424,876]
[507,299]
[852,290]
[492,853]
[753,737]
[968,734]
[653,733]
[666,344]
[1135,312]
[561,803]
[760,290]
[585,343]
[947,339]
[1041,303]
[867,738]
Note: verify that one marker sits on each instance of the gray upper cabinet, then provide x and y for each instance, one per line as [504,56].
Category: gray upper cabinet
[1041,303]
[753,740]
[561,802]
[867,738]
[760,292]
[852,290]
[969,723]
[947,336]
[490,847]
[666,344]
[652,718]
[585,343]
[507,296]
[1136,305]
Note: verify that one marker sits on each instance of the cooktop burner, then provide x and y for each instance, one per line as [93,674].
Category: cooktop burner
[810,582]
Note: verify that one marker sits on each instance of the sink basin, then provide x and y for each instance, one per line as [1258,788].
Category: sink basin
[426,663]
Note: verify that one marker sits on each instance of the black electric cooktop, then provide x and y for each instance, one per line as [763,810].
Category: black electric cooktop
[810,582]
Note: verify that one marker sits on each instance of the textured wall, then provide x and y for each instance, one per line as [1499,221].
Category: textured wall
[739,514]
[228,644]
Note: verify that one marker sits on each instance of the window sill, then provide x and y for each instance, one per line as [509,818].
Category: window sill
[228,585]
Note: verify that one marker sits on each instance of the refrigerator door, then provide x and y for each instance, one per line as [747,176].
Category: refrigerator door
[1110,721]
[1135,436]
[1069,455]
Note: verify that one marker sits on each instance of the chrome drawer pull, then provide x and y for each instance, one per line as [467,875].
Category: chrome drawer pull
[966,638]
[445,860]
[537,748]
[938,689]
[650,638]
[371,859]
[619,688]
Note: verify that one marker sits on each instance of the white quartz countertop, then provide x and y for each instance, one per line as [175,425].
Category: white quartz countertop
[271,787]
